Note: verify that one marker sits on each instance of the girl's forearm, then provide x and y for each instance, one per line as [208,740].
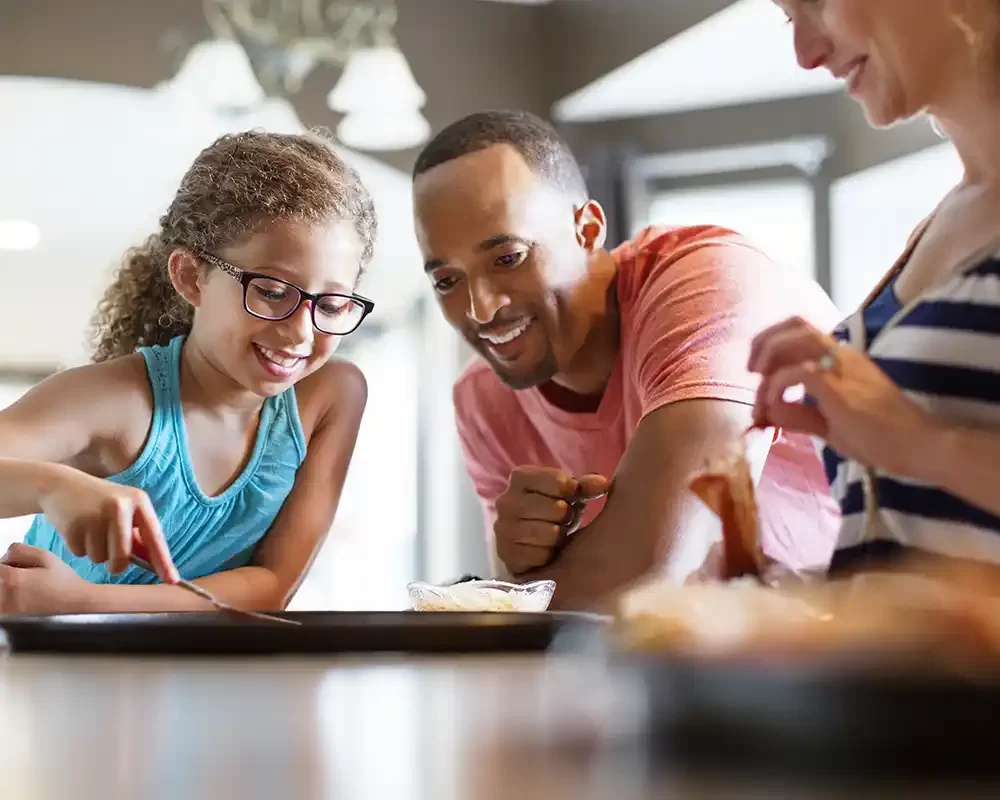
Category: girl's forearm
[251,588]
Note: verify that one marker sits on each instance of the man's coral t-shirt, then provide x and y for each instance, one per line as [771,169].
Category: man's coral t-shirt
[691,301]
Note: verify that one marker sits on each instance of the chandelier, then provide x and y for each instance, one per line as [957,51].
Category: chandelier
[262,50]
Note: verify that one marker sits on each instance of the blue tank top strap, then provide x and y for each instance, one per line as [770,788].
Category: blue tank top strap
[286,411]
[162,370]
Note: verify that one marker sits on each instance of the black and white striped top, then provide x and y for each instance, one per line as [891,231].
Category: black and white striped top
[943,351]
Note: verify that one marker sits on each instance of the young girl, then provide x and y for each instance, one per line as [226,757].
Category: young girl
[225,440]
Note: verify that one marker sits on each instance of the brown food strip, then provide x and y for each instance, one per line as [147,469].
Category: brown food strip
[726,487]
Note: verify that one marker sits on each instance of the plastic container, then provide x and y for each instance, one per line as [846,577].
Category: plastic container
[482,596]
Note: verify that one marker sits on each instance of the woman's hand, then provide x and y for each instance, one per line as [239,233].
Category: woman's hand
[855,406]
[97,518]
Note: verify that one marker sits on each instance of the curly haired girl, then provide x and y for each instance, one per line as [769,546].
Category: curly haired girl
[215,423]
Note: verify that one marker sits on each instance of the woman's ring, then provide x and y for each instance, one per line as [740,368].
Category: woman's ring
[827,362]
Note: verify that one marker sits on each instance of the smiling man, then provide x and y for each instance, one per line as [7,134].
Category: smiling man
[597,368]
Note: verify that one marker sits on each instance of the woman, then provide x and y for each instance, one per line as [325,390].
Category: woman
[906,392]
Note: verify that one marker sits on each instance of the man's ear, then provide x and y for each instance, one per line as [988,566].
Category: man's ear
[591,226]
[185,272]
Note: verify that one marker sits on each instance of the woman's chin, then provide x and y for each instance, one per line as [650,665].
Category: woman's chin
[883,113]
[881,116]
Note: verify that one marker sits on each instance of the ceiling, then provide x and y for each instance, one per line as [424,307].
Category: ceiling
[741,54]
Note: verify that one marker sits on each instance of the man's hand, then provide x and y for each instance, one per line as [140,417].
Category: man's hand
[532,511]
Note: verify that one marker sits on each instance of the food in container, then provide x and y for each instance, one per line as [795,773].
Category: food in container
[480,595]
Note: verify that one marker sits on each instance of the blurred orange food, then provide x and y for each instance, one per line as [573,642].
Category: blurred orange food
[925,612]
[726,487]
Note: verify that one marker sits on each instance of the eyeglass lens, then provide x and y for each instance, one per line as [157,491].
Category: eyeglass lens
[272,299]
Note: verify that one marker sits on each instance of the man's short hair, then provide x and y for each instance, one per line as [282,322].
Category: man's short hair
[544,150]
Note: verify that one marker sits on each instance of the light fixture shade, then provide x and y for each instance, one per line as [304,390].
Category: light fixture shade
[216,74]
[375,130]
[376,79]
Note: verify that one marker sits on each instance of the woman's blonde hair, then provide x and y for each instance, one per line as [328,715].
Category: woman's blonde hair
[235,184]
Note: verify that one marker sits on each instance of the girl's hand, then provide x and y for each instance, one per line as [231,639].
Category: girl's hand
[855,406]
[97,518]
[34,581]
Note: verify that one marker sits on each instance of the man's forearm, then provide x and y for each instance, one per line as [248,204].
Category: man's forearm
[669,536]
[597,562]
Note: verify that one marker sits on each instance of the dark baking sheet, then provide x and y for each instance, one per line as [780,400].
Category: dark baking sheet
[834,719]
[321,632]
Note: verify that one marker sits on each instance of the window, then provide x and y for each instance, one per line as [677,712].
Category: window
[776,215]
[874,212]
[370,554]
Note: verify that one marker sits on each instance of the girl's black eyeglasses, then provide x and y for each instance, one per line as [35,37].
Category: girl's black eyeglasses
[275,299]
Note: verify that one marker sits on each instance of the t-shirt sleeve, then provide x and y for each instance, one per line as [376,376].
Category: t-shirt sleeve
[696,315]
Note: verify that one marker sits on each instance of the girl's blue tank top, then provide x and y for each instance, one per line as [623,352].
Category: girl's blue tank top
[205,534]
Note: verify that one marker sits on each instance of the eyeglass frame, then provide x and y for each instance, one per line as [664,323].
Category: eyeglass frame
[244,278]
